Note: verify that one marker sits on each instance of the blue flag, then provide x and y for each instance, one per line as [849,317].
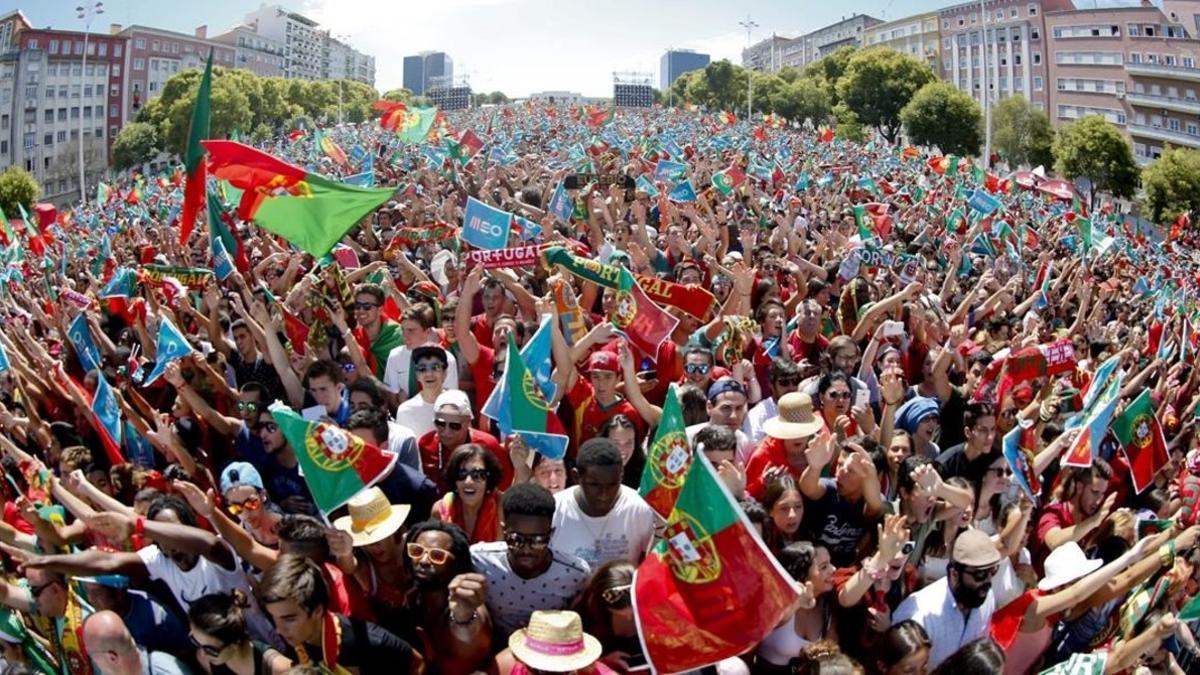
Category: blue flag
[364,179]
[1141,287]
[137,449]
[222,265]
[171,346]
[644,185]
[802,182]
[484,226]
[684,192]
[81,339]
[668,171]
[108,413]
[5,366]
[537,357]
[120,285]
[983,202]
[561,206]
[1018,462]
[529,229]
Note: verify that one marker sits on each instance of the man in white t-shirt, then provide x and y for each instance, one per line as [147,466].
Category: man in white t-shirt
[419,325]
[599,519]
[431,363]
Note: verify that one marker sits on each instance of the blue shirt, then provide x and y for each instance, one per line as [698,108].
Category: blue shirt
[154,627]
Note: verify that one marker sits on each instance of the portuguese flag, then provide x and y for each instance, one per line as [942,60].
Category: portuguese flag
[336,464]
[310,211]
[709,590]
[668,460]
[414,126]
[1142,440]
[726,181]
[193,190]
[530,414]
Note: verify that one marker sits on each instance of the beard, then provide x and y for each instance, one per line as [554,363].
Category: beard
[971,598]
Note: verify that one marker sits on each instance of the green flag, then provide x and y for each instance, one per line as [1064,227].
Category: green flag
[318,220]
[668,459]
[193,159]
[416,124]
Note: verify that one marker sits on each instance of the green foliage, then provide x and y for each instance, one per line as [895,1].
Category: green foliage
[803,98]
[942,115]
[136,143]
[848,125]
[1021,133]
[827,71]
[878,83]
[230,110]
[401,95]
[17,186]
[1092,148]
[1172,184]
[722,86]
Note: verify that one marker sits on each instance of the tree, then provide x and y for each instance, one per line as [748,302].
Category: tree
[828,70]
[1092,148]
[497,97]
[17,186]
[878,83]
[940,114]
[801,99]
[1172,184]
[1021,133]
[848,125]
[136,143]
[230,110]
[401,95]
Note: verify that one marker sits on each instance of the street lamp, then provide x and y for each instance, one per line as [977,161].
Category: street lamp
[87,13]
[749,25]
[342,40]
[987,99]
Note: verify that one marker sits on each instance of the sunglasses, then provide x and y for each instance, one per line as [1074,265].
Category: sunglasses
[531,541]
[442,424]
[788,382]
[617,595]
[1000,471]
[838,395]
[476,474]
[208,650]
[251,504]
[697,368]
[270,427]
[248,406]
[363,306]
[36,591]
[429,368]
[980,575]
[437,556]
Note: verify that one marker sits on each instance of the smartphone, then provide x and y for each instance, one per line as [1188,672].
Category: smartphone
[892,328]
[908,547]
[637,662]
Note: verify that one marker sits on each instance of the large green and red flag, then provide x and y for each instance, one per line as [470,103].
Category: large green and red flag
[336,464]
[414,126]
[668,459]
[645,323]
[391,113]
[310,211]
[193,160]
[1142,440]
[709,590]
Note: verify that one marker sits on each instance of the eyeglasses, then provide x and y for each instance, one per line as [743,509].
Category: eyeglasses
[788,381]
[270,427]
[697,368]
[979,574]
[999,471]
[429,367]
[475,474]
[442,424]
[437,556]
[1008,413]
[251,504]
[248,406]
[363,306]
[208,650]
[533,541]
[838,395]
[617,595]
[36,591]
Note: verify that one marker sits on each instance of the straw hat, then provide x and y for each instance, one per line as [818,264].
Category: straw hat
[372,517]
[795,418]
[554,642]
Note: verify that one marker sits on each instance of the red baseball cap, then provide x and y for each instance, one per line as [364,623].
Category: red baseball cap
[602,360]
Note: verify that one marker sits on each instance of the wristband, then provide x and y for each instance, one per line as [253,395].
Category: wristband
[139,526]
[470,620]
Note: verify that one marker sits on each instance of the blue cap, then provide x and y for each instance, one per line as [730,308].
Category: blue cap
[725,385]
[238,474]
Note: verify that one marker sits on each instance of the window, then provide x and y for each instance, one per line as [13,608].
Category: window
[1192,129]
[91,70]
[74,135]
[76,70]
[139,64]
[1033,34]
[1016,59]
[49,92]
[154,65]
[87,90]
[1134,30]
[47,116]
[1189,62]
[174,47]
[117,51]
[3,147]
[79,48]
[1173,124]
[139,43]
[112,111]
[48,139]
[102,49]
[75,113]
[52,47]
[1032,10]
[30,137]
[62,137]
[1037,83]
[1135,57]
[62,114]
[74,91]
[62,91]
[154,46]
[1169,59]
[33,44]
[4,122]
[51,70]
[91,49]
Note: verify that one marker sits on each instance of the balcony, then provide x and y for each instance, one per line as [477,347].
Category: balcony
[1165,135]
[1160,70]
[1188,106]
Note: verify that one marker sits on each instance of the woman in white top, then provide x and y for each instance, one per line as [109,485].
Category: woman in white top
[810,566]
[941,541]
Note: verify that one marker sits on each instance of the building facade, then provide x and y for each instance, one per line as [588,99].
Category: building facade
[918,36]
[154,55]
[1134,65]
[822,42]
[676,62]
[58,102]
[766,55]
[258,54]
[1008,38]
[428,70]
[11,25]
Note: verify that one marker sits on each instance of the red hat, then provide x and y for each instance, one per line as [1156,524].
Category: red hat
[605,361]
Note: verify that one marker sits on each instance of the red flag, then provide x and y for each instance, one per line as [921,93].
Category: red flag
[393,114]
[1142,441]
[1156,332]
[825,135]
[296,134]
[254,172]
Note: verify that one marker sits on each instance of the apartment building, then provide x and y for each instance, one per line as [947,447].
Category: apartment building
[303,40]
[918,36]
[154,55]
[766,55]
[254,52]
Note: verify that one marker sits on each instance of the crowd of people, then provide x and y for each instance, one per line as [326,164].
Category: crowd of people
[893,360]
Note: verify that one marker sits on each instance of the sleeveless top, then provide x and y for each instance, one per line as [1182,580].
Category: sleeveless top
[260,660]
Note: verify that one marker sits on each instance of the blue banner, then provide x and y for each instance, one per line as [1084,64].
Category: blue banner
[536,354]
[81,339]
[684,192]
[108,413]
[221,264]
[484,226]
[561,206]
[983,202]
[171,346]
[668,171]
[644,185]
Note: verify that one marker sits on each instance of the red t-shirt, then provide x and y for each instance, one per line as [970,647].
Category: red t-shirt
[12,516]
[1055,515]
[482,330]
[810,351]
[434,457]
[589,416]
[481,372]
[668,365]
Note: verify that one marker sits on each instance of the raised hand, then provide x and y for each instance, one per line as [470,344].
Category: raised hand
[820,449]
